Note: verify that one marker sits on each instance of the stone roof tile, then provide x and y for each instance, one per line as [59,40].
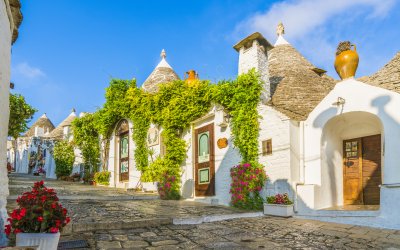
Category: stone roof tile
[387,77]
[296,87]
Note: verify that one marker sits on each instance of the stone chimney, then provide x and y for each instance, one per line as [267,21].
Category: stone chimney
[253,53]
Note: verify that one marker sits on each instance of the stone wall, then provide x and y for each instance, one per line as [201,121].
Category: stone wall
[5,55]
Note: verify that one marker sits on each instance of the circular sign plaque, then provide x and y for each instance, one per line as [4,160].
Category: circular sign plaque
[222,142]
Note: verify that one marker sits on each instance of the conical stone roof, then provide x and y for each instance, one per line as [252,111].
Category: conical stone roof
[43,122]
[58,132]
[297,86]
[387,77]
[161,74]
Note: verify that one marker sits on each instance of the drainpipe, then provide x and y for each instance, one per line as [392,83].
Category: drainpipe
[302,165]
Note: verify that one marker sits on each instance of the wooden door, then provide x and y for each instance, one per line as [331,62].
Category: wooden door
[362,170]
[352,169]
[124,157]
[371,169]
[204,161]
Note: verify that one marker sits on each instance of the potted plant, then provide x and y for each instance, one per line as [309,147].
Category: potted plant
[279,205]
[102,178]
[38,219]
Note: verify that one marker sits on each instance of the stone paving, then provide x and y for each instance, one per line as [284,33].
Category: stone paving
[112,220]
[250,233]
[120,209]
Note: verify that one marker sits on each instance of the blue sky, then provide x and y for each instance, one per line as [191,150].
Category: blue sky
[68,50]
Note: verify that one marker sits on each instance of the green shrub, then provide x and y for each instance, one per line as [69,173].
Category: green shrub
[64,158]
[102,177]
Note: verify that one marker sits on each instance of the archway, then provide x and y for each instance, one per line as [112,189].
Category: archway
[351,160]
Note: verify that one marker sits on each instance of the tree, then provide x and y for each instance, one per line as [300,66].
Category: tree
[20,114]
[64,157]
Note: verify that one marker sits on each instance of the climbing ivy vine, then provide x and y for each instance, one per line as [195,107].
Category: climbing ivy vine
[173,108]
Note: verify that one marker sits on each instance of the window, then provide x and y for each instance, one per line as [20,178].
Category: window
[267,147]
[204,147]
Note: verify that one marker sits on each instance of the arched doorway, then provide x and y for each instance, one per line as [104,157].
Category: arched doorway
[122,133]
[351,159]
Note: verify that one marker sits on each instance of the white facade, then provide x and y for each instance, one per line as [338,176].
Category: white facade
[366,110]
[6,27]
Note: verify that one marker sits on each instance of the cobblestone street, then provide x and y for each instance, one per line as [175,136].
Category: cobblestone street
[251,233]
[111,219]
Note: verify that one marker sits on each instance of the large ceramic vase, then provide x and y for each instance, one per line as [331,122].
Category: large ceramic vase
[44,241]
[346,63]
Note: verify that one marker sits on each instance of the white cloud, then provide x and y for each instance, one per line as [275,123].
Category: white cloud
[315,27]
[301,17]
[27,71]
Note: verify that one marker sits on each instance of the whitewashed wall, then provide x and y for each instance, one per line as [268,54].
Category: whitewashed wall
[359,97]
[276,126]
[5,57]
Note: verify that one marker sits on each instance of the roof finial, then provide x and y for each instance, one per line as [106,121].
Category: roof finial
[163,54]
[73,110]
[280,29]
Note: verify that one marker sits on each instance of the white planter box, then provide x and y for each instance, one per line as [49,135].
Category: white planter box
[278,210]
[45,241]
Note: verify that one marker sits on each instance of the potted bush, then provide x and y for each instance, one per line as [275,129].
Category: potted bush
[102,178]
[279,205]
[39,218]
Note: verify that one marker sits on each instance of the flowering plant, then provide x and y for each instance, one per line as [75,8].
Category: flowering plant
[279,199]
[168,188]
[247,182]
[38,212]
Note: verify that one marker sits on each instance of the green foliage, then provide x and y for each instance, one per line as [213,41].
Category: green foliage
[240,98]
[140,103]
[64,158]
[102,177]
[20,114]
[174,107]
[86,138]
[115,108]
[247,182]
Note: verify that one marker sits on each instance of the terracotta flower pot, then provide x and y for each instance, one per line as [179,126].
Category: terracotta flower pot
[346,63]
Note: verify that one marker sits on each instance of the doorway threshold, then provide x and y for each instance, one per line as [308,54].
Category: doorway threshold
[353,208]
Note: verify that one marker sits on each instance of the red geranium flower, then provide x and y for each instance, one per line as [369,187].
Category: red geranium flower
[28,217]
[7,230]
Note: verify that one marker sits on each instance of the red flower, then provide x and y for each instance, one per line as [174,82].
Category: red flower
[22,212]
[53,230]
[40,218]
[53,205]
[64,211]
[67,220]
[7,230]
[17,230]
[58,223]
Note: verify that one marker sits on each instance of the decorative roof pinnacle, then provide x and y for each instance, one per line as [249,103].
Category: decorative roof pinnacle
[163,54]
[280,29]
